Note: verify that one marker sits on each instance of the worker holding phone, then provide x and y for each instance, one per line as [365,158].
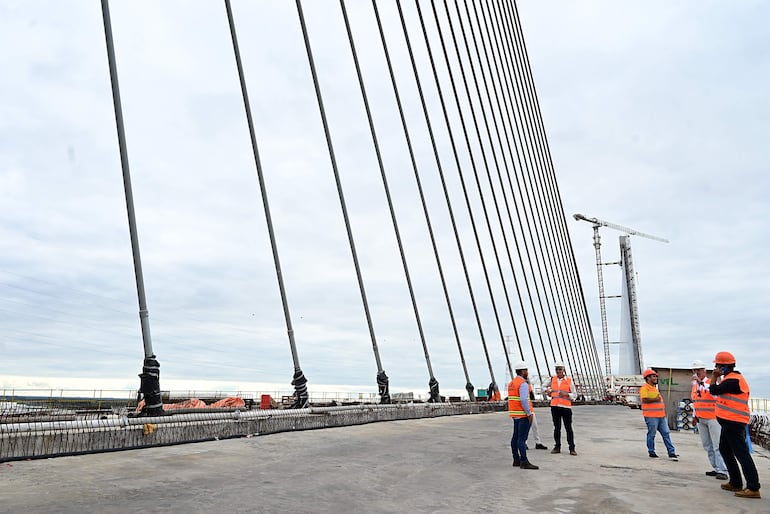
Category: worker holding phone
[733,414]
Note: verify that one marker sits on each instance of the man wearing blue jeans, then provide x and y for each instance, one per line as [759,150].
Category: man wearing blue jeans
[654,412]
[705,418]
[520,409]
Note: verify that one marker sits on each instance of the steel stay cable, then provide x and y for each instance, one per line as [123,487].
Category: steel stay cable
[479,188]
[573,260]
[432,383]
[512,51]
[461,177]
[298,380]
[533,197]
[549,219]
[468,385]
[149,387]
[521,165]
[582,341]
[499,175]
[440,170]
[559,284]
[382,379]
[507,138]
[488,173]
[544,139]
[577,289]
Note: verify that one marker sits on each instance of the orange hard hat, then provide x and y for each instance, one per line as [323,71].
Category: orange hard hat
[724,358]
[648,372]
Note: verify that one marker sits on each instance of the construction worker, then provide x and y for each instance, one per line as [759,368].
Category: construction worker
[654,412]
[520,409]
[733,415]
[705,418]
[562,392]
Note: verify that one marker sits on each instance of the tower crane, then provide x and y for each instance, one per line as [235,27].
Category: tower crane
[597,245]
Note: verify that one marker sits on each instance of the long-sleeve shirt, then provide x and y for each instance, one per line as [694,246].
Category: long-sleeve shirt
[729,386]
[524,398]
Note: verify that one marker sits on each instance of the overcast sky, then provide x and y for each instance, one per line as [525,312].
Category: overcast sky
[656,120]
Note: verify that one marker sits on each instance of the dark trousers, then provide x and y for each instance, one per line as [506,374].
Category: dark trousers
[560,414]
[519,439]
[735,449]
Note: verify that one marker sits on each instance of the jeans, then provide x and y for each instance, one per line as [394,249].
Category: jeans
[734,450]
[519,439]
[710,431]
[558,414]
[659,425]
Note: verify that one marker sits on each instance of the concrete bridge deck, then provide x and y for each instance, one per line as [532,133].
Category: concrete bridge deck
[446,464]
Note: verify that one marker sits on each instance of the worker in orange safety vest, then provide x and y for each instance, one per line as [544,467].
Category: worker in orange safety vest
[704,417]
[733,414]
[654,412]
[520,409]
[562,392]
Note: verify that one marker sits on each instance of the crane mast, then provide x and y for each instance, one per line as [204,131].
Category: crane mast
[597,223]
[602,302]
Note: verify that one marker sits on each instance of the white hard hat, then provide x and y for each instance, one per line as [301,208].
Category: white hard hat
[696,364]
[520,365]
[558,364]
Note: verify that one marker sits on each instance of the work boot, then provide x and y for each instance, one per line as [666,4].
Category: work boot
[730,487]
[539,446]
[556,449]
[748,493]
[529,465]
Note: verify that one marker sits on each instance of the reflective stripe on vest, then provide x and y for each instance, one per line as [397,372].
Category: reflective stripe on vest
[515,409]
[652,410]
[735,407]
[555,389]
[704,403]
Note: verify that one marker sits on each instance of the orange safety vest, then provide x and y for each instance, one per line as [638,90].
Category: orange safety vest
[515,409]
[565,387]
[735,407]
[704,403]
[652,410]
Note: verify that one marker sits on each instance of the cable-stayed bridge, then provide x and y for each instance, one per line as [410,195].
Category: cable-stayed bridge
[408,137]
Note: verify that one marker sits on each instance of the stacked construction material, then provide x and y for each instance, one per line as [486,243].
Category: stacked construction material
[684,415]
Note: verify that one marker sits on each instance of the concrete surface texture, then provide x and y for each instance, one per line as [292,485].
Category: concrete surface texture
[447,464]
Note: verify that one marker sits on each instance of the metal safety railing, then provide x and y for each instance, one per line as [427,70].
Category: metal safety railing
[759,405]
[67,402]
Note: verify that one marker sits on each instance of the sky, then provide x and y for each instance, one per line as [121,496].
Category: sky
[655,120]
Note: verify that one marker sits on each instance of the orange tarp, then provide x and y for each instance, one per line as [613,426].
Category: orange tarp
[232,401]
[195,403]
